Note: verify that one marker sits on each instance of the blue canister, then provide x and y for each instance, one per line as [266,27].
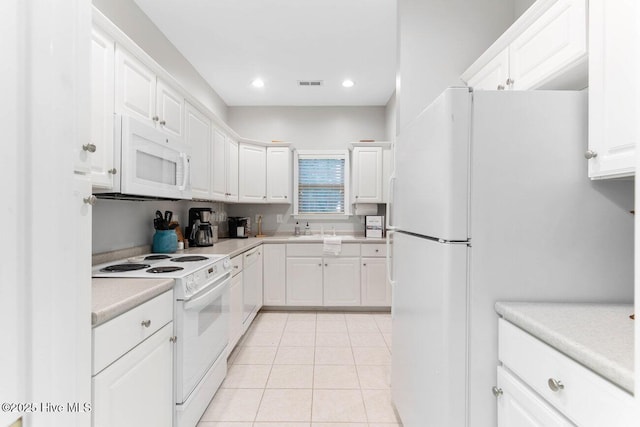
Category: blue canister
[165,241]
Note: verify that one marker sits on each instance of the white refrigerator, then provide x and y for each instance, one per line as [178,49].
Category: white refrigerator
[491,202]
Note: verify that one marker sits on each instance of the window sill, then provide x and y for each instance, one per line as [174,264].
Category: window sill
[318,217]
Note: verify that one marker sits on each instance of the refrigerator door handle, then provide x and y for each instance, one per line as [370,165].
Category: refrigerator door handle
[392,180]
[392,282]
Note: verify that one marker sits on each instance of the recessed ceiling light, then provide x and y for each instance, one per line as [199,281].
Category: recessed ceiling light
[257,83]
[348,83]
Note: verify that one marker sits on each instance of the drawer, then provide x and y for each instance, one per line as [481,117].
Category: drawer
[316,250]
[373,250]
[119,335]
[236,264]
[586,398]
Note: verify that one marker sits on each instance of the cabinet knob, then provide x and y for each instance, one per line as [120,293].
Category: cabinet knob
[285,197]
[364,265]
[155,118]
[113,171]
[377,250]
[264,197]
[590,154]
[555,385]
[146,323]
[500,87]
[173,339]
[319,265]
[510,81]
[497,391]
[91,200]
[356,197]
[91,148]
[163,122]
[326,265]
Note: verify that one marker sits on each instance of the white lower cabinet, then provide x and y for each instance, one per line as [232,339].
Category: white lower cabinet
[519,406]
[304,281]
[132,383]
[540,386]
[375,288]
[236,303]
[275,274]
[341,282]
[251,285]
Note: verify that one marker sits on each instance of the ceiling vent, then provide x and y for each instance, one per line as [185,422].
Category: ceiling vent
[309,83]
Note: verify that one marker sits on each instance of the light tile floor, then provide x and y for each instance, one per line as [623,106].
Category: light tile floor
[308,369]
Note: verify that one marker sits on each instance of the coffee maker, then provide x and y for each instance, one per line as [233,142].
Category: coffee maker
[199,230]
[239,227]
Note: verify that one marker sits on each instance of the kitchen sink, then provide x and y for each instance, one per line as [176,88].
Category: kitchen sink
[318,237]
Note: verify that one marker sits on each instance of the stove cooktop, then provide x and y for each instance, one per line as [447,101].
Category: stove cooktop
[156,265]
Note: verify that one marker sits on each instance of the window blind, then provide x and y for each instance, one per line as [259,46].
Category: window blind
[321,186]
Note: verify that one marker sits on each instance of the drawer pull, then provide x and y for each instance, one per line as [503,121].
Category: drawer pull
[146,323]
[173,339]
[497,391]
[555,385]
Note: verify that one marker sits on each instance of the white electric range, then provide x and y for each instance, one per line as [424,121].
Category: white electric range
[200,322]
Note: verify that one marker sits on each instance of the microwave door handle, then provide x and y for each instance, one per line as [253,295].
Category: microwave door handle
[185,171]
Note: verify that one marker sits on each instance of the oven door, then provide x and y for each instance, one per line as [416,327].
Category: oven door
[153,163]
[202,328]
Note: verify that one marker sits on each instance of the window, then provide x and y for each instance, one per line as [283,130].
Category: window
[321,186]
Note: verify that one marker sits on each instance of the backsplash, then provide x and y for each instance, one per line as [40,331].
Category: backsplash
[121,224]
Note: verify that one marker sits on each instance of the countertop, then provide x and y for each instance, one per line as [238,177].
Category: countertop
[233,247]
[112,297]
[599,336]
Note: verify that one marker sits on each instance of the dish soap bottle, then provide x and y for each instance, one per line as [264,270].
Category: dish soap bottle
[307,230]
[296,231]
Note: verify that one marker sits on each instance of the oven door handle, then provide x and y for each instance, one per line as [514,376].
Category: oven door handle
[209,296]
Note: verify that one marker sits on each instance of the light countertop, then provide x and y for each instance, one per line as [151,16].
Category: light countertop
[112,297]
[599,336]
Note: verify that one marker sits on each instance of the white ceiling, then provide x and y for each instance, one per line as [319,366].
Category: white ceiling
[231,42]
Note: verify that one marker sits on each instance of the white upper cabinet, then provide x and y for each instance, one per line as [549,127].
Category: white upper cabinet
[613,89]
[279,173]
[252,174]
[367,174]
[169,108]
[494,75]
[139,93]
[97,155]
[198,136]
[224,168]
[546,48]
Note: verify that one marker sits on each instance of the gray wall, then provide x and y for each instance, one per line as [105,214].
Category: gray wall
[438,40]
[132,21]
[520,6]
[309,127]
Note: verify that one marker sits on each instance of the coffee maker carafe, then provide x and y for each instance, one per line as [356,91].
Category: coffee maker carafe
[199,230]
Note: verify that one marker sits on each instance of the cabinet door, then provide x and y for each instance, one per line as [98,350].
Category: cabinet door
[494,75]
[613,88]
[275,270]
[137,389]
[102,110]
[367,173]
[169,109]
[219,166]
[278,175]
[341,281]
[135,87]
[236,308]
[304,281]
[520,406]
[198,136]
[554,43]
[375,289]
[252,174]
[232,170]
[252,285]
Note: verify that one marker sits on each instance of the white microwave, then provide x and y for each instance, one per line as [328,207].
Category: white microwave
[152,163]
